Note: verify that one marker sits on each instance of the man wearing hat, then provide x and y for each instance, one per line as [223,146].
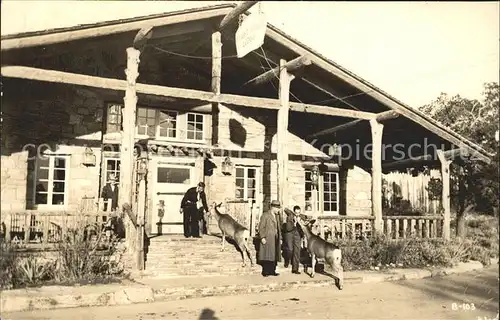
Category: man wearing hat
[193,206]
[270,239]
[110,191]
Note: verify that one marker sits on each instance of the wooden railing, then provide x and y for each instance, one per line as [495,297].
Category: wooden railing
[345,227]
[33,227]
[395,227]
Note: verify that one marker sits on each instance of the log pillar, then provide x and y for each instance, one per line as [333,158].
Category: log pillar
[377,131]
[216,83]
[282,133]
[445,196]
[128,141]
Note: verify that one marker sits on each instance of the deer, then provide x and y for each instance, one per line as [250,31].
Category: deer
[318,248]
[231,228]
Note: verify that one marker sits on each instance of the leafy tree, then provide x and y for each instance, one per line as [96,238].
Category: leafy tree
[475,184]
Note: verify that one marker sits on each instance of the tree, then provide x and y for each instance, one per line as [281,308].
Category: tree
[475,184]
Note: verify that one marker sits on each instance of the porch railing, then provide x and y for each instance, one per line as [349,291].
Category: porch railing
[32,228]
[395,227]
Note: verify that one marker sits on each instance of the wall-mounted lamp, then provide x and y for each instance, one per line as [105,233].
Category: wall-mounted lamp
[89,158]
[142,167]
[227,166]
[315,176]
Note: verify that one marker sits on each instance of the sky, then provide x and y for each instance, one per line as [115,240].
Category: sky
[412,50]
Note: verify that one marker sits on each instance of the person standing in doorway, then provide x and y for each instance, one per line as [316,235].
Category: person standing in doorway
[292,235]
[193,206]
[270,238]
[110,191]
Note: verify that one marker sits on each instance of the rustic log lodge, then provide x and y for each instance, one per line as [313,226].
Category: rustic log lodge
[163,102]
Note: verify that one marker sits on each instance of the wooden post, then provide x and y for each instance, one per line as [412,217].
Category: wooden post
[216,83]
[141,211]
[282,133]
[128,137]
[445,177]
[377,131]
[321,195]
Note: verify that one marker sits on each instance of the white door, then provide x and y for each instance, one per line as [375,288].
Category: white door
[171,181]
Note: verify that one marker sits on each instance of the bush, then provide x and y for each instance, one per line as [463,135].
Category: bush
[380,251]
[8,259]
[81,259]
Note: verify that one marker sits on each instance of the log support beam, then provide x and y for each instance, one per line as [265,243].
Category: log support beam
[290,66]
[445,196]
[235,13]
[216,83]
[377,132]
[282,133]
[179,93]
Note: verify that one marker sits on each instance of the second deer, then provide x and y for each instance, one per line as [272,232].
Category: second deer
[231,228]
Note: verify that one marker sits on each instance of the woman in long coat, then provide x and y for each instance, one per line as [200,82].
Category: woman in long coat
[270,240]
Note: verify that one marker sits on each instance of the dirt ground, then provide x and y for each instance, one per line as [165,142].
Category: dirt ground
[467,296]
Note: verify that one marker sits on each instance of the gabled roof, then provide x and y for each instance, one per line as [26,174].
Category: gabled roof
[30,39]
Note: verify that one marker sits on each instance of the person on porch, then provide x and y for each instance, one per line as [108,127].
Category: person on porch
[193,206]
[292,236]
[110,191]
[270,237]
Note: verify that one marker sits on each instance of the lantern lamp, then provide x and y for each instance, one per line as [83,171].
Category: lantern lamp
[315,176]
[89,158]
[227,166]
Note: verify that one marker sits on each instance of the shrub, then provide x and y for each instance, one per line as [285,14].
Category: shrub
[8,259]
[81,259]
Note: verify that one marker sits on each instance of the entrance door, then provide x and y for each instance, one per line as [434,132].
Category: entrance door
[171,181]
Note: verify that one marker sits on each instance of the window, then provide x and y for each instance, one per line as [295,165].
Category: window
[146,122]
[173,175]
[51,180]
[246,183]
[330,192]
[194,126]
[167,124]
[156,123]
[114,122]
[112,166]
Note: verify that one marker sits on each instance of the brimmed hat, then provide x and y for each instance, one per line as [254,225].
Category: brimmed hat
[275,203]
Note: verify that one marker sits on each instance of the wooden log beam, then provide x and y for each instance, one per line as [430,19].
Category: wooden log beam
[290,66]
[377,132]
[445,196]
[120,85]
[142,37]
[335,129]
[448,155]
[387,115]
[235,13]
[282,133]
[216,83]
[110,29]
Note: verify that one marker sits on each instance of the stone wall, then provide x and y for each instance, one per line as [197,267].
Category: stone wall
[358,192]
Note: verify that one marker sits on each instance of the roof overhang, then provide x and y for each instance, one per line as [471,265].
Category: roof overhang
[63,35]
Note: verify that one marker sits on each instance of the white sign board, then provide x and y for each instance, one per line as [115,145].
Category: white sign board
[250,35]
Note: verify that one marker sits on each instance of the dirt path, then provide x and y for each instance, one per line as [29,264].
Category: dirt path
[435,298]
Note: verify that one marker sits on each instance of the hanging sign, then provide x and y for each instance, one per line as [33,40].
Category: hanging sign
[250,34]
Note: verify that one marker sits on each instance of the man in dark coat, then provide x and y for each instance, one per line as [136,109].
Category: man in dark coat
[193,206]
[110,191]
[270,238]
[292,235]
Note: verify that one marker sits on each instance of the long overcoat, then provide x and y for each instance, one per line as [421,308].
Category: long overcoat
[269,228]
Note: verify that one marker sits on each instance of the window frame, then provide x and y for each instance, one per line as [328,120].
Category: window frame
[119,116]
[195,114]
[50,182]
[245,182]
[337,193]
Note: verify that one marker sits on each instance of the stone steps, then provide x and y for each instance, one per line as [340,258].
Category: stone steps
[170,256]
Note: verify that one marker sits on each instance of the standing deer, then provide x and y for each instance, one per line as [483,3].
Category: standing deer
[230,227]
[318,248]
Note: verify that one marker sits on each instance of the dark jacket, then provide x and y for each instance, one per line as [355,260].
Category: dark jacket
[107,193]
[269,228]
[191,197]
[290,228]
